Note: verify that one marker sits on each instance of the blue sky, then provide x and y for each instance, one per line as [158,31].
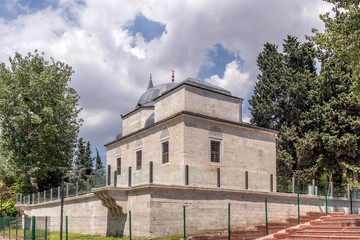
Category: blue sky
[113,46]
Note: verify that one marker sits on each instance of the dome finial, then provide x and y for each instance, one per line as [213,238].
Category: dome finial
[172,76]
[150,85]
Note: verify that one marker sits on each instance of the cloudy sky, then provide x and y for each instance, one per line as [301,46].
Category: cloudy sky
[114,45]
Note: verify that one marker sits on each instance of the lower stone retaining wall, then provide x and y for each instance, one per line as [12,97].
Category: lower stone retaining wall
[157,210]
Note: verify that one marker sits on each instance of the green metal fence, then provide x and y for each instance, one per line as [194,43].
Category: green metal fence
[27,228]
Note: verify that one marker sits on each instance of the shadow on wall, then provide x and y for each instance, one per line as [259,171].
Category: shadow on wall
[116,225]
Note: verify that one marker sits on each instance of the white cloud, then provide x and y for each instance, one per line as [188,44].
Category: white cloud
[234,80]
[111,74]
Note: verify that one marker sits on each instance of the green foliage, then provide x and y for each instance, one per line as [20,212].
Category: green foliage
[98,162]
[39,120]
[280,95]
[9,209]
[83,161]
[8,201]
[351,170]
[342,34]
[317,116]
[332,126]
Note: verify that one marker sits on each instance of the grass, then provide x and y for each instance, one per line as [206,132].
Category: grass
[71,236]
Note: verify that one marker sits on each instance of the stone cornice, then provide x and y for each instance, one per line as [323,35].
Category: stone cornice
[240,124]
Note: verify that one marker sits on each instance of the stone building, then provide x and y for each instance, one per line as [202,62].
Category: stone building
[183,145]
[191,133]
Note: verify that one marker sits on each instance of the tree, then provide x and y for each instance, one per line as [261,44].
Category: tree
[342,34]
[84,162]
[99,165]
[332,126]
[39,119]
[280,96]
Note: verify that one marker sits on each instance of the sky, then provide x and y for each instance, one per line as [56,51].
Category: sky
[114,45]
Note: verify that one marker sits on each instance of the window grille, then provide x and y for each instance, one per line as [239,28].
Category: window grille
[118,165]
[138,160]
[215,151]
[165,152]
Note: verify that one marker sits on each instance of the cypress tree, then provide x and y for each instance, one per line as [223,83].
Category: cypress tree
[280,96]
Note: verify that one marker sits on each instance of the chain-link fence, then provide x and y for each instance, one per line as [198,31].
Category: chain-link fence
[27,228]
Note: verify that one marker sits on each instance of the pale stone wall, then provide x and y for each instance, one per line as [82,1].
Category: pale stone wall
[150,143]
[157,210]
[188,98]
[242,149]
[136,120]
[212,104]
[207,209]
[171,104]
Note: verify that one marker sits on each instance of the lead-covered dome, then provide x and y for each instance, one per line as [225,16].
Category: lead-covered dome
[147,99]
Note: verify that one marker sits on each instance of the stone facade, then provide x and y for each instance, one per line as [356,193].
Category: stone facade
[189,116]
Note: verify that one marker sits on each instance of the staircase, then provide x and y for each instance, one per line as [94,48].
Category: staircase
[337,226]
[260,230]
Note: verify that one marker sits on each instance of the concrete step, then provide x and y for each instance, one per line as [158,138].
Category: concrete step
[320,237]
[260,230]
[335,233]
[349,222]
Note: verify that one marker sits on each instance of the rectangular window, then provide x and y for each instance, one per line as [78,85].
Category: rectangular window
[118,165]
[215,151]
[138,160]
[165,152]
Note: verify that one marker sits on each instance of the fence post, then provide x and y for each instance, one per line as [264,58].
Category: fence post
[10,229]
[130,224]
[16,231]
[46,220]
[24,227]
[184,222]
[58,193]
[186,174]
[33,228]
[151,172]
[129,177]
[218,177]
[21,198]
[115,178]
[44,195]
[298,203]
[87,186]
[2,226]
[266,217]
[326,203]
[67,190]
[246,180]
[271,183]
[38,197]
[351,211]
[293,185]
[331,189]
[66,228]
[348,190]
[77,188]
[313,184]
[109,175]
[229,230]
[51,194]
